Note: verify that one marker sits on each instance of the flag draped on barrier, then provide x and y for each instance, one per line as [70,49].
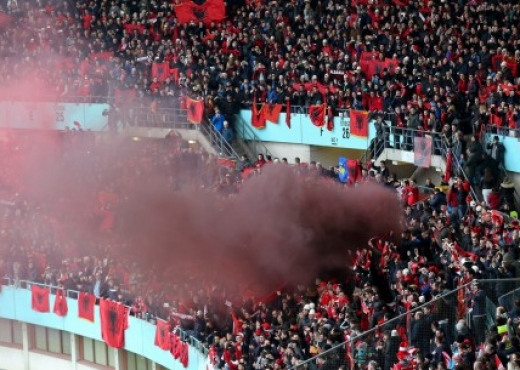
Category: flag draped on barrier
[86,303]
[40,299]
[359,123]
[422,151]
[113,323]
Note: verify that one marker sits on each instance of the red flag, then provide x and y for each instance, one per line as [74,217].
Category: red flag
[272,112]
[288,113]
[353,171]
[330,119]
[60,303]
[130,28]
[86,303]
[195,110]
[447,174]
[173,342]
[257,117]
[422,150]
[162,335]
[176,347]
[205,11]
[317,114]
[358,123]
[40,299]
[113,323]
[391,64]
[184,356]
[161,71]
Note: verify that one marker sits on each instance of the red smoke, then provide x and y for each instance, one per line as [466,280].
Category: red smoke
[281,228]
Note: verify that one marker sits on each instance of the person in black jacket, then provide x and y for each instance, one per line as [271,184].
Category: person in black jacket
[392,340]
[497,151]
[421,332]
[478,313]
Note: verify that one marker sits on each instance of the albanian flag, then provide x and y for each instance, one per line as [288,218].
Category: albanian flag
[184,357]
[205,11]
[162,335]
[258,116]
[358,123]
[86,303]
[40,299]
[113,323]
[60,303]
[161,71]
[317,114]
[272,112]
[175,348]
[195,110]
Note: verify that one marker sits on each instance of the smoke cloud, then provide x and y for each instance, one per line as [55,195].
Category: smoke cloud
[282,228]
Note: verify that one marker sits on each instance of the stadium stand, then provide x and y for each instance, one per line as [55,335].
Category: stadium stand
[436,66]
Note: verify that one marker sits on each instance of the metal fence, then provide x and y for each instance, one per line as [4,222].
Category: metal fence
[170,118]
[449,314]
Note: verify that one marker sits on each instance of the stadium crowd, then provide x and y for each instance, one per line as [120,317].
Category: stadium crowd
[448,62]
[448,241]
[457,70]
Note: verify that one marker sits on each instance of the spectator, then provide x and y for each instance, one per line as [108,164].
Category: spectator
[497,151]
[218,121]
[228,134]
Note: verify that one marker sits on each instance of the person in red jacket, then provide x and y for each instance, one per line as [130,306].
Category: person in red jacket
[411,193]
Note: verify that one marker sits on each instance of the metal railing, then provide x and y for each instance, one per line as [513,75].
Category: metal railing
[217,141]
[169,118]
[447,309]
[502,131]
[345,353]
[255,145]
[458,169]
[74,294]
[403,139]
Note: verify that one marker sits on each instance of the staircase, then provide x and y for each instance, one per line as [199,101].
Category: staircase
[390,148]
[247,141]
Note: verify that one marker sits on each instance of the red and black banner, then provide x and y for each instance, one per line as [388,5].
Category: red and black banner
[195,110]
[161,71]
[184,356]
[272,112]
[317,114]
[258,116]
[40,299]
[359,123]
[162,335]
[86,303]
[113,323]
[205,11]
[60,303]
